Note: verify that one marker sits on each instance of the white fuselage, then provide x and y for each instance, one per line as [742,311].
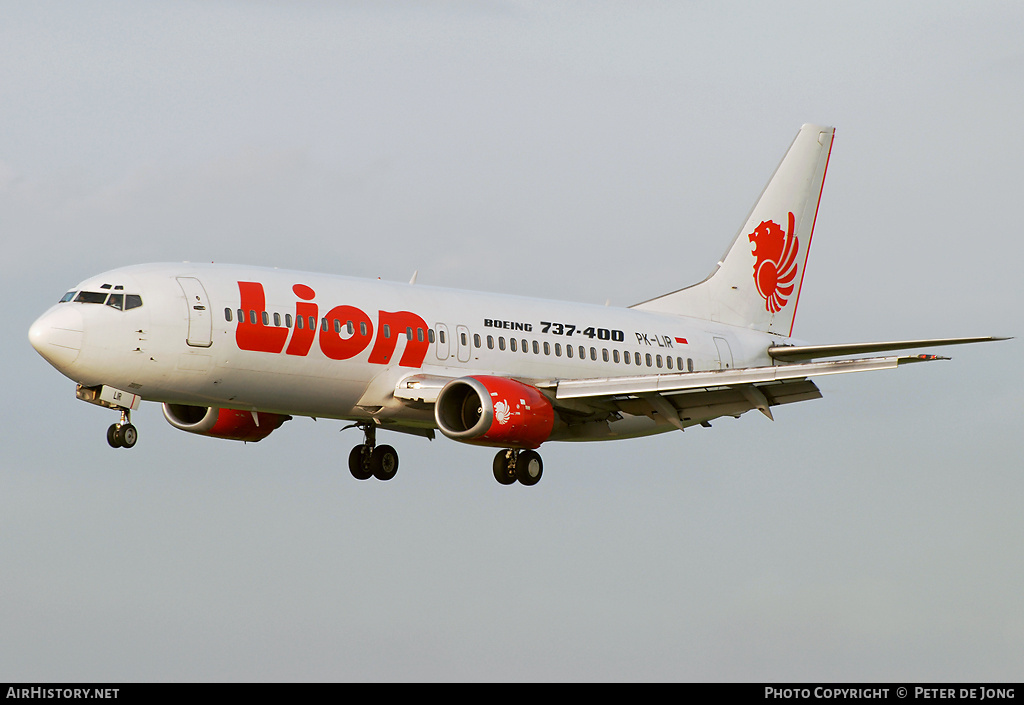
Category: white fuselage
[186,343]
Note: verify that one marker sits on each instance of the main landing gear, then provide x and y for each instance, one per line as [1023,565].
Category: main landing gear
[123,434]
[522,465]
[371,460]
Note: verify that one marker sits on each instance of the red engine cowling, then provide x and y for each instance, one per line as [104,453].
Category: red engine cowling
[232,424]
[494,411]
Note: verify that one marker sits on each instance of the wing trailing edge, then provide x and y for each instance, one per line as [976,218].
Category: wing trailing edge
[686,381]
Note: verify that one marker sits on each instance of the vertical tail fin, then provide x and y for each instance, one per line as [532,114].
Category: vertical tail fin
[757,283]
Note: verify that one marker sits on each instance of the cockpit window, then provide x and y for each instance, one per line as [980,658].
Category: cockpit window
[122,302]
[91,297]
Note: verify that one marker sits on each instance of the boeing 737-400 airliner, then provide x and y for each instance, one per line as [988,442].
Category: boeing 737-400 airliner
[235,351]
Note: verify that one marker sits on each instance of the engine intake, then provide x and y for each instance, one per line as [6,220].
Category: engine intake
[231,424]
[494,411]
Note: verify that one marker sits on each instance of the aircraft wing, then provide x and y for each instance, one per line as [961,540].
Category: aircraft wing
[797,353]
[683,398]
[689,398]
[680,382]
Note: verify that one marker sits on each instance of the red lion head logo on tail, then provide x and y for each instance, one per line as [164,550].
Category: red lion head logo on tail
[775,262]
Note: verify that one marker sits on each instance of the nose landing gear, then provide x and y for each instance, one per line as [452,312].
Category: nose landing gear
[123,434]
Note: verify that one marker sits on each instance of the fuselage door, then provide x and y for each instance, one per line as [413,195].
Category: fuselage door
[200,322]
[724,354]
[462,343]
[442,342]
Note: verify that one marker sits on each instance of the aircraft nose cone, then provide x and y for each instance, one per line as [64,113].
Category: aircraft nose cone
[57,335]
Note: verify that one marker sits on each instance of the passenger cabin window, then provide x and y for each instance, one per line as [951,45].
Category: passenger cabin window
[227,315]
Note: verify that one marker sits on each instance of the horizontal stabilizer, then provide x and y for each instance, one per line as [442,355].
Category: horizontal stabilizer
[799,353]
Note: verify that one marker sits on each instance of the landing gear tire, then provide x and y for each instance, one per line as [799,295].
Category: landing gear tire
[504,470]
[358,463]
[371,460]
[384,462]
[128,435]
[529,468]
[511,465]
[122,435]
[113,437]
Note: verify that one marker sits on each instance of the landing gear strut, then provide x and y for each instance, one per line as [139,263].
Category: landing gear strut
[511,465]
[123,434]
[371,460]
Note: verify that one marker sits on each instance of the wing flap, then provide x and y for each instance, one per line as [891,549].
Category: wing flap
[693,407]
[669,384]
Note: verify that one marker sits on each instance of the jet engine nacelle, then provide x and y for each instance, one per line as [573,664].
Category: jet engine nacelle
[232,424]
[494,411]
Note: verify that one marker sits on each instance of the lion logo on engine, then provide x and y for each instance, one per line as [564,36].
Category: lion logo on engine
[502,412]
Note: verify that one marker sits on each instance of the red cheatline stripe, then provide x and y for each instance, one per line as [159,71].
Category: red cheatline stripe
[807,250]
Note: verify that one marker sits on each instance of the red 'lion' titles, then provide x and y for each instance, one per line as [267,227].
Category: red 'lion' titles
[344,332]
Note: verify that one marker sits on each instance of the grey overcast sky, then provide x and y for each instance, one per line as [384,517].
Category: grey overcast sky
[581,151]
